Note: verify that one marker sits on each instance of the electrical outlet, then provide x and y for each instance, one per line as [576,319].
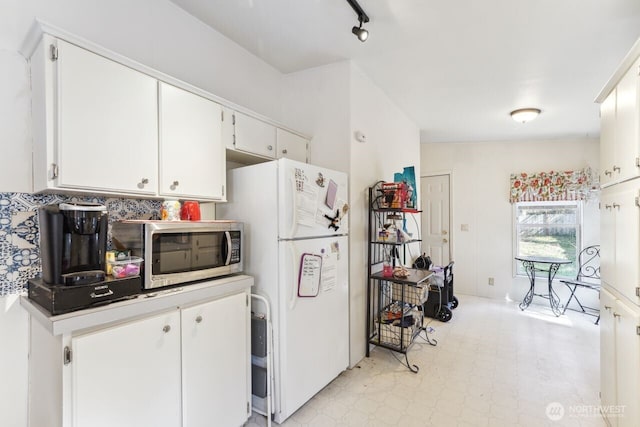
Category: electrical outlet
[490,281]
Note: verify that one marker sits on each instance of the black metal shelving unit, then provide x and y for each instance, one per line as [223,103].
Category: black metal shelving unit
[394,302]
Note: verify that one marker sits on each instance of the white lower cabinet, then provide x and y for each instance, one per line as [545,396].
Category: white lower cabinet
[128,375]
[186,365]
[620,361]
[215,363]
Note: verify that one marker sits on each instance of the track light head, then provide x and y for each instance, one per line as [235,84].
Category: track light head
[361,33]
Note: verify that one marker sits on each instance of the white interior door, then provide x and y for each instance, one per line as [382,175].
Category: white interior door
[436,236]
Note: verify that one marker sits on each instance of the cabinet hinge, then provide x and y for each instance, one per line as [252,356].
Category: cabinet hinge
[223,190]
[234,139]
[247,300]
[53,51]
[248,408]
[222,115]
[638,162]
[67,355]
[637,330]
[233,119]
[638,202]
[638,292]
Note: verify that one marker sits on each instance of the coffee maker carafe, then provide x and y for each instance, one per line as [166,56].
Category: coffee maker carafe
[73,243]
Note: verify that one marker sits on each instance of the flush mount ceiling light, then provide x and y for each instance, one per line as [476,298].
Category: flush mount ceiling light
[524,115]
[360,32]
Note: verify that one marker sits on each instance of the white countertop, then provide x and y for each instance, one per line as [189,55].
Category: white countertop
[141,306]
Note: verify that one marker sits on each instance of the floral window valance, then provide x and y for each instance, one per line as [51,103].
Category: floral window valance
[550,186]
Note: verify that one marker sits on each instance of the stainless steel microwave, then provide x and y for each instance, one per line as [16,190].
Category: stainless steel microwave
[177,252]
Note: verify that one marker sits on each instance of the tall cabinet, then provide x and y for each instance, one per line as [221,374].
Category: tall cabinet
[620,245]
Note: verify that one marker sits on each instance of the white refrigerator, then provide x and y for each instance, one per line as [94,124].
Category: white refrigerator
[295,219]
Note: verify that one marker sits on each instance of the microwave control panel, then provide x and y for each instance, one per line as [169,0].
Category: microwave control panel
[235,247]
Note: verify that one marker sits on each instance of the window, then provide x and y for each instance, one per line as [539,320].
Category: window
[549,229]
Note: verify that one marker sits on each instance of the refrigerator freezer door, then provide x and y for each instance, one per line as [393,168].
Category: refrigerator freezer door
[313,335]
[312,201]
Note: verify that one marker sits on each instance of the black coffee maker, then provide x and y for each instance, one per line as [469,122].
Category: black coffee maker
[73,243]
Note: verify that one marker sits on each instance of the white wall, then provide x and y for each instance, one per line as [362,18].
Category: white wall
[480,198]
[13,362]
[331,103]
[393,142]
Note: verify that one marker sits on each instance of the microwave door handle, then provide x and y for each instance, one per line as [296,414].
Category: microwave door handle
[228,236]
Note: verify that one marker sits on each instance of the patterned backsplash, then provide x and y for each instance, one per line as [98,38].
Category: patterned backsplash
[19,237]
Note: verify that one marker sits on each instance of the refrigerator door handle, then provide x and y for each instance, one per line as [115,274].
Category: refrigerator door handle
[294,207]
[294,282]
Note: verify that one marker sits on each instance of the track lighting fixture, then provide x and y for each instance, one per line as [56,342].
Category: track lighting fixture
[360,32]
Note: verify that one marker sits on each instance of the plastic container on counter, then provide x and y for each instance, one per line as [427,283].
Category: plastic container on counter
[127,267]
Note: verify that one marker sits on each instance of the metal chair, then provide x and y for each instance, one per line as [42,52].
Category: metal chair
[588,277]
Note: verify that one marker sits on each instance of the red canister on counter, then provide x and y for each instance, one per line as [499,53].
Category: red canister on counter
[190,211]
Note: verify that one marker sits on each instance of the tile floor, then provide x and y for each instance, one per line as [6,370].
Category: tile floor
[494,365]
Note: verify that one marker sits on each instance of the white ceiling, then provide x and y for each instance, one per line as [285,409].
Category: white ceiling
[455,67]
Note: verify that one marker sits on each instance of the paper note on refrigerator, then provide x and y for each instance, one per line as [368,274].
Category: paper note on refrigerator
[329,271]
[306,206]
[309,275]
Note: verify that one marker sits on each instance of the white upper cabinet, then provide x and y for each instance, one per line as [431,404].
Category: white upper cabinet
[291,146]
[620,135]
[192,155]
[254,136]
[95,122]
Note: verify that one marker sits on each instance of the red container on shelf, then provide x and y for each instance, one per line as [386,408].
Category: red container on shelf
[190,211]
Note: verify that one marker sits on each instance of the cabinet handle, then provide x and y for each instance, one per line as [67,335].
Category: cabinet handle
[166,328]
[269,147]
[616,168]
[445,241]
[199,319]
[284,151]
[608,173]
[607,206]
[145,181]
[617,206]
[616,314]
[607,307]
[444,232]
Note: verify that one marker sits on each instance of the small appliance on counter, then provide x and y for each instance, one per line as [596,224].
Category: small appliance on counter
[73,245]
[181,251]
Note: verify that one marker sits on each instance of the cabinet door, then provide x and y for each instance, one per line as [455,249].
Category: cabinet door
[255,136]
[608,396]
[607,137]
[626,132]
[192,160]
[607,236]
[291,146]
[128,375]
[107,128]
[627,364]
[215,362]
[627,240]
